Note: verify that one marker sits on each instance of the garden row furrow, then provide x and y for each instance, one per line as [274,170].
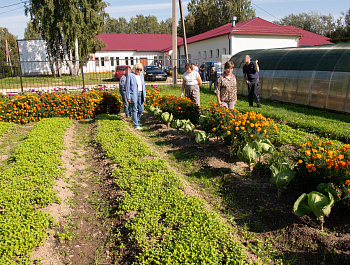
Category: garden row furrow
[26,186]
[170,227]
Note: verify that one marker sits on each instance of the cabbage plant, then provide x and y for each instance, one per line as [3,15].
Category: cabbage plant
[167,118]
[281,176]
[263,146]
[248,154]
[201,137]
[177,124]
[152,108]
[319,202]
[157,112]
[188,127]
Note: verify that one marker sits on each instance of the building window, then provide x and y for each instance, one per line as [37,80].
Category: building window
[102,61]
[199,55]
[97,61]
[224,51]
[205,54]
[217,53]
[131,60]
[126,60]
[112,61]
[211,54]
[116,60]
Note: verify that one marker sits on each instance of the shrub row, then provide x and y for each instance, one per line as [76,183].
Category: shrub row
[170,227]
[26,187]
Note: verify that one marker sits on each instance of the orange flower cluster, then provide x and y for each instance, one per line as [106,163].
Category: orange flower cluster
[181,108]
[28,107]
[325,160]
[237,128]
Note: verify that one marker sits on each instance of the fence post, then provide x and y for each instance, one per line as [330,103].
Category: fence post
[20,74]
[82,74]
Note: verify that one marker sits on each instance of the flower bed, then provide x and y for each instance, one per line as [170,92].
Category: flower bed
[27,107]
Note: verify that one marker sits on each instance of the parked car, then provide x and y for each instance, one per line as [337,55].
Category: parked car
[168,70]
[154,73]
[119,71]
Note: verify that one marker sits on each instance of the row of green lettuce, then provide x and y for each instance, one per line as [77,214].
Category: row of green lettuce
[169,227]
[26,186]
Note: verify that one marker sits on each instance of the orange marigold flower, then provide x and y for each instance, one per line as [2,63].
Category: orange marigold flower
[347,182]
[300,161]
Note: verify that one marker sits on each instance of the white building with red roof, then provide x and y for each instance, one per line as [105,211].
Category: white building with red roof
[128,49]
[255,33]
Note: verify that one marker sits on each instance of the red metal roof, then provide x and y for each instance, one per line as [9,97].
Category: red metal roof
[136,42]
[258,26]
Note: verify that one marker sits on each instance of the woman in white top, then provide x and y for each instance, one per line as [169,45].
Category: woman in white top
[192,81]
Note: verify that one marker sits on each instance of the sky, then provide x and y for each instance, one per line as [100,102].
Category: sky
[13,18]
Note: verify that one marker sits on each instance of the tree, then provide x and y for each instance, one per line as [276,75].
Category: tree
[204,15]
[6,36]
[312,21]
[30,32]
[342,29]
[138,25]
[69,27]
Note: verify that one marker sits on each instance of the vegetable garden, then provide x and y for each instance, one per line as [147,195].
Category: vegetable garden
[208,186]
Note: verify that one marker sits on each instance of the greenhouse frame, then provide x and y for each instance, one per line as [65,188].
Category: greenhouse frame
[316,76]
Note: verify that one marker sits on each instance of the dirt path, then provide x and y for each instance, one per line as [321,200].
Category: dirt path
[84,231]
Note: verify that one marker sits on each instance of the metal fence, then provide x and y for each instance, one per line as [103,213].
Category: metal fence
[20,76]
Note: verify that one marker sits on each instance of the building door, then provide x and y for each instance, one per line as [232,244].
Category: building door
[144,61]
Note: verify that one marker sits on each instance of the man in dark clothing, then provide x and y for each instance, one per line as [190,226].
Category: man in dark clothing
[213,77]
[251,77]
[202,72]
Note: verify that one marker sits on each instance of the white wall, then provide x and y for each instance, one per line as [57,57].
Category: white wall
[251,42]
[205,46]
[132,58]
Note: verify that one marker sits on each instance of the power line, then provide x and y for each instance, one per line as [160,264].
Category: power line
[13,4]
[265,11]
[11,10]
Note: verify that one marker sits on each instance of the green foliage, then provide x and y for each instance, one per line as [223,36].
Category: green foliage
[282,174]
[203,15]
[169,226]
[5,127]
[137,25]
[201,137]
[312,21]
[54,21]
[248,154]
[11,44]
[316,202]
[26,187]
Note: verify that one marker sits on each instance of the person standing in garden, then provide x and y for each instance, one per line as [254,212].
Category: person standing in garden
[122,92]
[135,92]
[202,72]
[251,77]
[226,89]
[213,77]
[191,83]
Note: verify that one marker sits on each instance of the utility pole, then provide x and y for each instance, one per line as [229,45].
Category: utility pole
[174,33]
[184,30]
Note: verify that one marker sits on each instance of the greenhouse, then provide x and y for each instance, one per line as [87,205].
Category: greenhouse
[315,76]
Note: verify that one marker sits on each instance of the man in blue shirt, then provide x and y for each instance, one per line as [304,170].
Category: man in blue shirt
[251,77]
[122,92]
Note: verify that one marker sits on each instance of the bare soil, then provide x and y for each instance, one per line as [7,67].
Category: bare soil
[89,231]
[251,200]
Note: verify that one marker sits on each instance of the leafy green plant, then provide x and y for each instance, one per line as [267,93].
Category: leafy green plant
[177,124]
[167,118]
[318,202]
[188,128]
[281,176]
[248,154]
[201,137]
